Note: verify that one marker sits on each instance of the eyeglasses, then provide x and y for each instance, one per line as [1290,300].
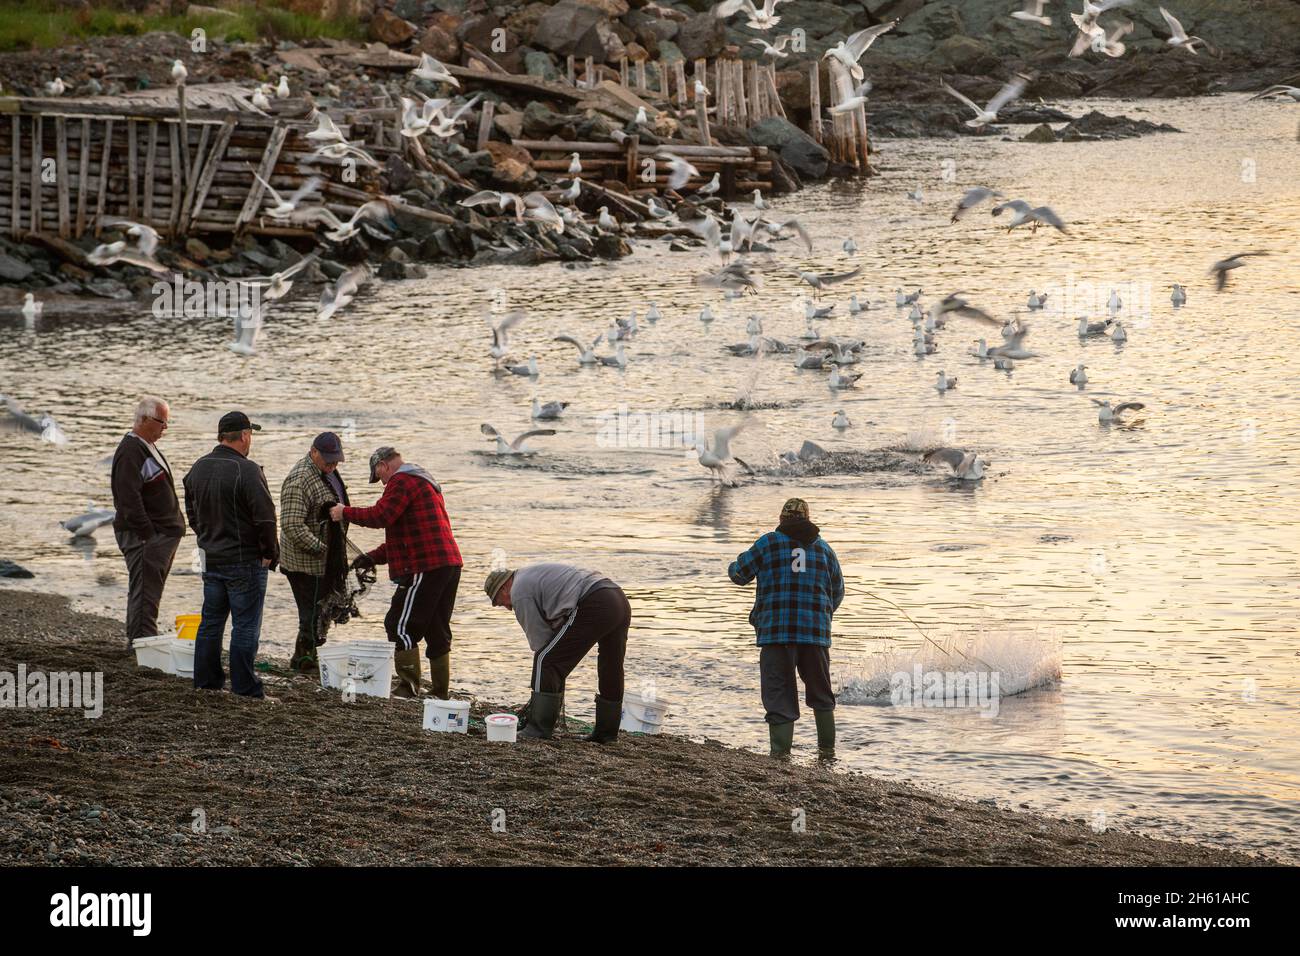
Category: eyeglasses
[158,420]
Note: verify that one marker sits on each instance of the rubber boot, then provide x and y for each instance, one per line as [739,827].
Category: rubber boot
[407,666]
[304,654]
[440,676]
[608,715]
[825,732]
[543,711]
[782,737]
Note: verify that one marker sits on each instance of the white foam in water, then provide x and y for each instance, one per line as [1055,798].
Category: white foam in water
[1022,660]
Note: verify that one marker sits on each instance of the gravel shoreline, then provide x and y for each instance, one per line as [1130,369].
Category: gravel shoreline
[316,781]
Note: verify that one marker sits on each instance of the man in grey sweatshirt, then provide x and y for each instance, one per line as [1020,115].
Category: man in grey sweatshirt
[565,611]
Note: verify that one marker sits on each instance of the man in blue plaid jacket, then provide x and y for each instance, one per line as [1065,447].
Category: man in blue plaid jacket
[799,587]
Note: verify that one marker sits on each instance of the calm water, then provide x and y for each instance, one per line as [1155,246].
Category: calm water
[1163,556]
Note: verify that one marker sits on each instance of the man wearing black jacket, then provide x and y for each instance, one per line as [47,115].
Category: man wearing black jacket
[230,509]
[148,525]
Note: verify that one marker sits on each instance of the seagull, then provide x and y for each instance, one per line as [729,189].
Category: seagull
[282,91]
[775,50]
[1118,335]
[1178,36]
[516,447]
[901,299]
[1002,363]
[716,459]
[1037,216]
[1037,301]
[965,465]
[575,165]
[944,383]
[85,525]
[811,311]
[573,191]
[433,71]
[1113,303]
[849,96]
[842,380]
[1278,90]
[760,18]
[338,152]
[981,350]
[1015,347]
[260,98]
[653,314]
[247,325]
[754,326]
[45,426]
[733,277]
[106,254]
[500,348]
[916,195]
[985,115]
[326,131]
[339,231]
[529,370]
[1178,296]
[819,281]
[606,221]
[972,198]
[550,411]
[679,170]
[1033,12]
[759,201]
[642,119]
[849,51]
[956,304]
[179,73]
[279,284]
[1079,377]
[1221,268]
[335,297]
[31,310]
[712,186]
[855,306]
[1087,328]
[841,421]
[285,208]
[1106,414]
[539,208]
[1098,41]
[617,360]
[706,315]
[56,86]
[502,201]
[849,246]
[586,353]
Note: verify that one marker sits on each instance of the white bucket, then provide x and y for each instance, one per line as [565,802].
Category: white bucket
[156,652]
[643,716]
[502,727]
[446,716]
[182,651]
[362,667]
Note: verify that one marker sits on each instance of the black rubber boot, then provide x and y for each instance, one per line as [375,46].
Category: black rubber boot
[825,732]
[440,676]
[782,738]
[543,712]
[609,713]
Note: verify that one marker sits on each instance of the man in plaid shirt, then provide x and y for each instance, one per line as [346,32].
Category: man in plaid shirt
[799,587]
[422,560]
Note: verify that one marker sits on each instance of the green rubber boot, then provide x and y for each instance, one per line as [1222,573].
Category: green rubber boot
[608,715]
[782,737]
[440,676]
[543,712]
[825,731]
[407,666]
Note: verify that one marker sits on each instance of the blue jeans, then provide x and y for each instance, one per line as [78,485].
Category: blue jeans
[235,591]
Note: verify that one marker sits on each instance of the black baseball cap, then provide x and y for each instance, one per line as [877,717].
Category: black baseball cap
[329,446]
[235,422]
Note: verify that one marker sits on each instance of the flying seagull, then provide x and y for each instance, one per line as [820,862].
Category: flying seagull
[965,465]
[850,51]
[987,114]
[1221,268]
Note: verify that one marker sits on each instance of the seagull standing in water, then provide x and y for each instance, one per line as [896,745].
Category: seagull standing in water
[31,310]
[1079,376]
[944,383]
[548,412]
[1106,414]
[841,421]
[1179,296]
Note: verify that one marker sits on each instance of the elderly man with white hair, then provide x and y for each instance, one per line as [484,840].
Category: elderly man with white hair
[149,524]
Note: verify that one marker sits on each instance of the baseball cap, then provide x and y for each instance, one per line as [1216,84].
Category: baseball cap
[795,507]
[382,453]
[329,446]
[496,580]
[235,422]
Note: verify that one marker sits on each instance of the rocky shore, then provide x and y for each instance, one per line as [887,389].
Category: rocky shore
[316,781]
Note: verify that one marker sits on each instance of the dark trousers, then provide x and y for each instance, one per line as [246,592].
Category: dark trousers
[421,611]
[601,621]
[235,591]
[307,590]
[147,565]
[777,665]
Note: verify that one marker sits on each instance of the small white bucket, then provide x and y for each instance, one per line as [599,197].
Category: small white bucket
[362,667]
[643,716]
[502,727]
[182,651]
[156,652]
[446,716]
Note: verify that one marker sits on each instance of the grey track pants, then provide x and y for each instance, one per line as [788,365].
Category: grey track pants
[147,565]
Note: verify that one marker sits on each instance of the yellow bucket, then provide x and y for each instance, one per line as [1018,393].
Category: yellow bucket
[187,626]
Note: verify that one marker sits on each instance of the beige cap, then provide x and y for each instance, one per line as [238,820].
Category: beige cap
[795,507]
[496,580]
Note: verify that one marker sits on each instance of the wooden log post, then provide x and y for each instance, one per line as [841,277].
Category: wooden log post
[778,106]
[622,70]
[815,101]
[569,71]
[132,171]
[633,161]
[183,222]
[103,175]
[83,178]
[640,75]
[589,73]
[742,106]
[679,75]
[151,156]
[208,170]
[15,167]
[864,141]
[485,122]
[37,132]
[63,174]
[184,132]
[702,116]
[254,198]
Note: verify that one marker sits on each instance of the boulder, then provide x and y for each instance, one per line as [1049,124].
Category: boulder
[540,121]
[8,569]
[439,44]
[509,120]
[14,270]
[796,148]
[511,165]
[702,36]
[387,27]
[816,18]
[965,55]
[937,20]
[1040,134]
[564,25]
[539,64]
[523,21]
[614,9]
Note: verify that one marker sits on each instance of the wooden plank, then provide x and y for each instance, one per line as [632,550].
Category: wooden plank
[184,222]
[485,122]
[35,204]
[210,168]
[254,198]
[178,182]
[15,167]
[640,75]
[742,107]
[83,179]
[864,141]
[589,73]
[771,88]
[679,74]
[132,171]
[63,174]
[185,132]
[622,70]
[569,71]
[815,100]
[633,144]
[103,175]
[151,155]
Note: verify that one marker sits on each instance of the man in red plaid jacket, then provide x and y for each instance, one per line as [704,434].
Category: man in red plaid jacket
[422,560]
